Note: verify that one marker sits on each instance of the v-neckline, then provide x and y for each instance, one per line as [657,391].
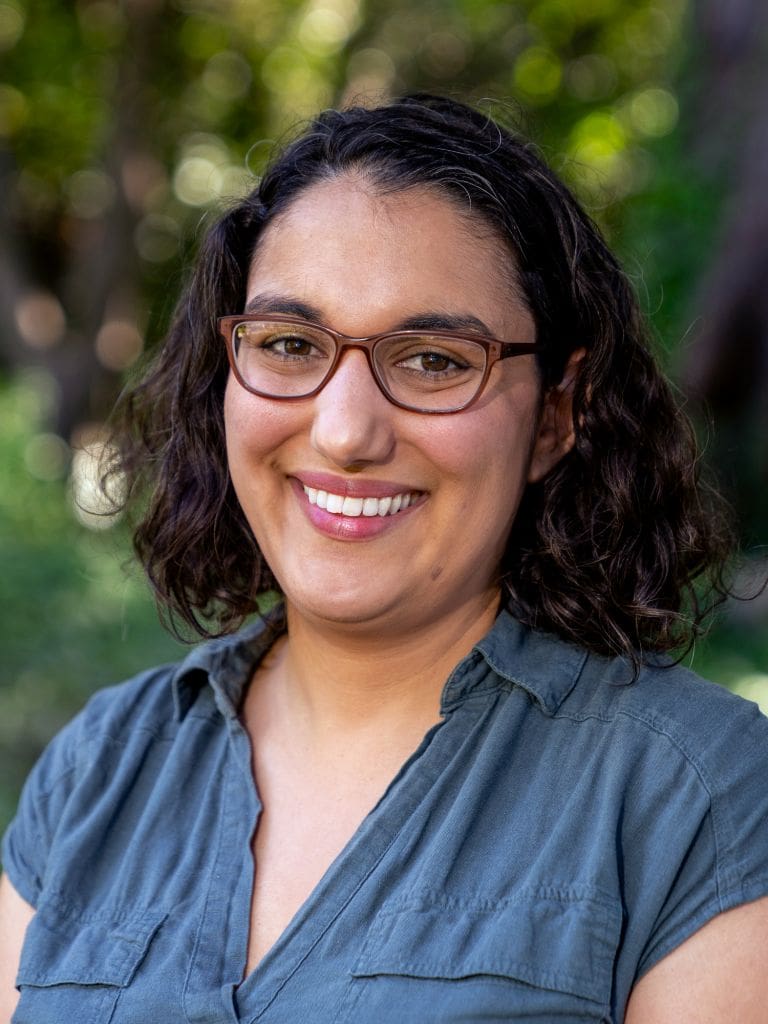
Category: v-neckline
[337,886]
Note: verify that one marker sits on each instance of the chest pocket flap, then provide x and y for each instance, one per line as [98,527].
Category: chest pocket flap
[555,938]
[63,947]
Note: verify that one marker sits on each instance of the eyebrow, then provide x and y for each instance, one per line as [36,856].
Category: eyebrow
[430,320]
[284,304]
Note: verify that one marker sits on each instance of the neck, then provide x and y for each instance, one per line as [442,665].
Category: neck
[349,677]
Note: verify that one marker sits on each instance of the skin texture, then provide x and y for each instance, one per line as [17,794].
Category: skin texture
[386,259]
[15,915]
[717,977]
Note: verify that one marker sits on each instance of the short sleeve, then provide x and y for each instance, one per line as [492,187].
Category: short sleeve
[725,861]
[29,838]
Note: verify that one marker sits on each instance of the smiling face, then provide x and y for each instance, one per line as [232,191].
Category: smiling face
[368,513]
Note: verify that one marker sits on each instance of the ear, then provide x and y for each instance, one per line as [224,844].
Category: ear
[556,434]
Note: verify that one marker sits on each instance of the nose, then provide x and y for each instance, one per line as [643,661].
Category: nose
[353,423]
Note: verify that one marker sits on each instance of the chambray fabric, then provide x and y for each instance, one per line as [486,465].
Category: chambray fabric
[551,839]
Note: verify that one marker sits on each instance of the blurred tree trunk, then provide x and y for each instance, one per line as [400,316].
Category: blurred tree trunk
[727,364]
[88,261]
[102,280]
[12,271]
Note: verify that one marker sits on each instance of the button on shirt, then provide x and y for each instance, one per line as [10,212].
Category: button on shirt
[560,831]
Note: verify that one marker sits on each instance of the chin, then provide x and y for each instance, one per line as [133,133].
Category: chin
[355,606]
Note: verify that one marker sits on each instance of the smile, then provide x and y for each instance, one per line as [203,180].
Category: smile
[347,506]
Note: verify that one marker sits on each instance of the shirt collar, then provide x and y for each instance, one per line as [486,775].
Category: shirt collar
[226,664]
[540,663]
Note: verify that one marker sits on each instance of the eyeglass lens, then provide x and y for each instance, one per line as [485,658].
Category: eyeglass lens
[422,371]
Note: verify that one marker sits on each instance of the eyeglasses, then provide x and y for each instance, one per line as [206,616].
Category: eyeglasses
[424,371]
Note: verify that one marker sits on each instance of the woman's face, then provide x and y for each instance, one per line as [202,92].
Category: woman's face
[365,263]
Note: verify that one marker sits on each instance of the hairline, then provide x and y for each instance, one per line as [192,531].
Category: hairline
[372,174]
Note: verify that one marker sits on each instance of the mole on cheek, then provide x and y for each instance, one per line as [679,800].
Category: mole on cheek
[437,571]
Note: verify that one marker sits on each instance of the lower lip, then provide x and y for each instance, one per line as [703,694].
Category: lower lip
[350,527]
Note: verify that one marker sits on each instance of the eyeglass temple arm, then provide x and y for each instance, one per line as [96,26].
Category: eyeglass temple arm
[517,348]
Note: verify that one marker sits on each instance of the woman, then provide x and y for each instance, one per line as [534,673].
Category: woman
[452,775]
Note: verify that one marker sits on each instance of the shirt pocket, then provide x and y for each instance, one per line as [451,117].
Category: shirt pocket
[542,955]
[74,965]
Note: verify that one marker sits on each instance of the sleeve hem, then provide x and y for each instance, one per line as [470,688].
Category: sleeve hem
[745,894]
[27,892]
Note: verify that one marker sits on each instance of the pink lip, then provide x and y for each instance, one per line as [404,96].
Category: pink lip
[352,488]
[349,528]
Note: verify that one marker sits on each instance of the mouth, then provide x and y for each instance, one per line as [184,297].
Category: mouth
[367,506]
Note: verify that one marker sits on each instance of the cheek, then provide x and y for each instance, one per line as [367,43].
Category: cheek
[487,452]
[254,428]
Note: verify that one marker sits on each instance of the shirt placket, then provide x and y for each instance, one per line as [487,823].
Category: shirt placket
[219,956]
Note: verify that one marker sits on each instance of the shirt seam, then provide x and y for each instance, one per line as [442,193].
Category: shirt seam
[722,827]
[717,905]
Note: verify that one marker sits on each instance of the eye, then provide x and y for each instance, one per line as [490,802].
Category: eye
[289,345]
[431,362]
[429,357]
[286,343]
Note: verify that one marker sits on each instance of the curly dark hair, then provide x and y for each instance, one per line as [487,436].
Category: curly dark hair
[608,550]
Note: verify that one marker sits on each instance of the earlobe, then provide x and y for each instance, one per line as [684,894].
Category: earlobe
[556,434]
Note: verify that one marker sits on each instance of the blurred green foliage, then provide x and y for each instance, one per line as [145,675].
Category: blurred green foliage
[73,617]
[169,108]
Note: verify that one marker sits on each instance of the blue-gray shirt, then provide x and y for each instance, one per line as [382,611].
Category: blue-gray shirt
[551,839]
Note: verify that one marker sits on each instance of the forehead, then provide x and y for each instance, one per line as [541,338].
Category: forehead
[345,246]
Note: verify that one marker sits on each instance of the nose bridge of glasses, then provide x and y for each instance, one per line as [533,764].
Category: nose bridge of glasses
[347,344]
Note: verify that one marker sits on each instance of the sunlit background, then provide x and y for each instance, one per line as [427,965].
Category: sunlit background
[124,128]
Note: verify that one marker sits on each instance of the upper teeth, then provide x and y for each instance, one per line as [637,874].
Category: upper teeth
[347,506]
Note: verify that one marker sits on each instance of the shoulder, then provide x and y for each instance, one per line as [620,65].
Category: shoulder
[679,759]
[672,774]
[144,702]
[693,760]
[155,703]
[90,747]
[114,751]
[663,705]
[714,730]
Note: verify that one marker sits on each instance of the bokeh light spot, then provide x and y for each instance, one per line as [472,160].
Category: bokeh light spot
[93,507]
[284,69]
[197,178]
[537,74]
[46,457]
[445,54]
[653,112]
[227,76]
[118,344]
[597,136]
[196,181]
[602,167]
[90,193]
[323,31]
[40,319]
[369,72]
[11,24]
[648,32]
